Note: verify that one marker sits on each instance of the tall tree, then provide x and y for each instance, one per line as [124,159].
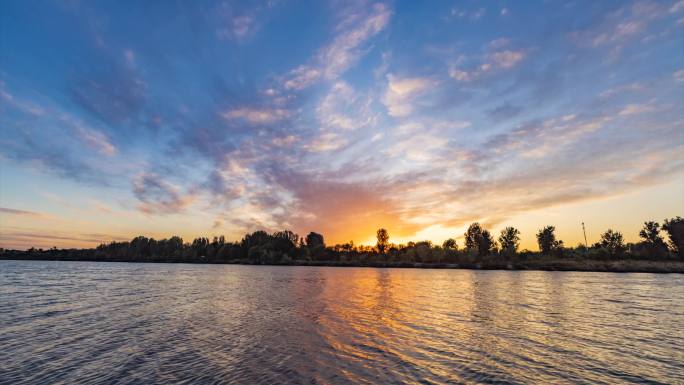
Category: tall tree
[486,244]
[546,238]
[613,242]
[287,235]
[653,244]
[509,240]
[314,240]
[675,230]
[651,233]
[479,240]
[450,244]
[383,240]
[472,236]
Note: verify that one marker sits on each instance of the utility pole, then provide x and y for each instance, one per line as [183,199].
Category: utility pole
[585,235]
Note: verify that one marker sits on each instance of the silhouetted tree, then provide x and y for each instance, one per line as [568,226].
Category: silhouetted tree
[287,235]
[653,244]
[613,243]
[546,238]
[651,233]
[283,243]
[383,240]
[472,236]
[479,240]
[675,230]
[315,246]
[450,244]
[509,240]
[486,244]
[199,247]
[257,238]
[314,240]
[287,247]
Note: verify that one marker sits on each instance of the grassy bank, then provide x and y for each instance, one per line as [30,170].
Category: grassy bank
[541,264]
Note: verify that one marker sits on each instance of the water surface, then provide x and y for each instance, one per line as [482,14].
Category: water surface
[117,323]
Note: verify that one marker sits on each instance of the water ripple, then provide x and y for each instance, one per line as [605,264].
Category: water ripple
[109,323]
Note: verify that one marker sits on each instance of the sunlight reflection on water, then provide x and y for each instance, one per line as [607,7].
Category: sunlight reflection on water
[80,322]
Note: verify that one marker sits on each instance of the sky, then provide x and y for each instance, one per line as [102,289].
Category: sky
[198,118]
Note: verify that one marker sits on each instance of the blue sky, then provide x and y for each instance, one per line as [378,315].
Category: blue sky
[202,118]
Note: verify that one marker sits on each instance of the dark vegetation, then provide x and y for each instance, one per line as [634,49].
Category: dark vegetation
[660,250]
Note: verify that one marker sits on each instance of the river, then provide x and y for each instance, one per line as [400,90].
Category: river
[119,323]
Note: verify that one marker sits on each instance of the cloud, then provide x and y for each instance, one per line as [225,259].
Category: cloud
[302,77]
[418,148]
[157,196]
[345,109]
[358,208]
[328,141]
[9,211]
[622,31]
[460,75]
[620,90]
[110,92]
[638,108]
[129,55]
[559,156]
[401,93]
[357,27]
[346,50]
[239,21]
[19,238]
[35,153]
[499,43]
[96,140]
[54,140]
[620,28]
[504,111]
[507,59]
[679,76]
[242,26]
[256,115]
[475,14]
[493,61]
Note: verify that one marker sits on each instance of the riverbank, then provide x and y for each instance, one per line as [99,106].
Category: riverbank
[621,266]
[540,264]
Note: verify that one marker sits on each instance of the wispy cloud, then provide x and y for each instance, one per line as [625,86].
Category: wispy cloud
[343,108]
[328,141]
[10,211]
[497,60]
[346,49]
[472,14]
[402,92]
[679,76]
[355,29]
[506,59]
[158,196]
[94,139]
[638,108]
[302,77]
[238,22]
[21,238]
[256,115]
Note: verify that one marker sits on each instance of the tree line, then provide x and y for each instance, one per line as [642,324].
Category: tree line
[286,247]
